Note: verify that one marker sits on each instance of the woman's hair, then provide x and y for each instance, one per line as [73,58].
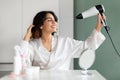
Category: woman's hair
[38,21]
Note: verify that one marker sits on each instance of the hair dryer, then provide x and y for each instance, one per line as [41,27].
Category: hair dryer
[94,11]
[91,12]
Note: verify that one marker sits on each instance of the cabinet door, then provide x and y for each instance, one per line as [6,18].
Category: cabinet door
[10,28]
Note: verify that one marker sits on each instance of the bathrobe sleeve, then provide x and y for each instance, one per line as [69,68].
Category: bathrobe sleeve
[93,41]
[27,51]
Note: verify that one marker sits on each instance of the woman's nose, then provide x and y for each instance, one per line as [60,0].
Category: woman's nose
[54,22]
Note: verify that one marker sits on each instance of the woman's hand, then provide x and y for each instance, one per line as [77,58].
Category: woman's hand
[99,24]
[28,34]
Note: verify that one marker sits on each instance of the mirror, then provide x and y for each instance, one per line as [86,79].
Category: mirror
[86,60]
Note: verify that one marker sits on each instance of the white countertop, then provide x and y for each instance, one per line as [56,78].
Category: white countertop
[58,75]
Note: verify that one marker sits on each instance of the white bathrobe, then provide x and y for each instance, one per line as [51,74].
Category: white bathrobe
[63,50]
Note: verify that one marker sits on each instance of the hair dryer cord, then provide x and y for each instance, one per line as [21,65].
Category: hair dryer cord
[107,30]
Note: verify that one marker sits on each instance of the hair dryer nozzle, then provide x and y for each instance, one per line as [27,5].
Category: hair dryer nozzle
[79,16]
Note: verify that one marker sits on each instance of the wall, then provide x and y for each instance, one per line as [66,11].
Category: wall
[107,61]
[17,15]
[66,18]
[10,27]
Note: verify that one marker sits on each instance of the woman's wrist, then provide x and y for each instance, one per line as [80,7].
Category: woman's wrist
[28,34]
[27,37]
[98,29]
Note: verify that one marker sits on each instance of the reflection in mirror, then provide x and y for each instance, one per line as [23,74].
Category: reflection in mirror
[86,60]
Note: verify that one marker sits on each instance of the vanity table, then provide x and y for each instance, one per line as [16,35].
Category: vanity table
[57,75]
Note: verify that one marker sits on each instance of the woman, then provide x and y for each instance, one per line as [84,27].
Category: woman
[41,48]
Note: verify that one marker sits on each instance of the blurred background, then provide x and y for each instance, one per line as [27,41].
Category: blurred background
[107,61]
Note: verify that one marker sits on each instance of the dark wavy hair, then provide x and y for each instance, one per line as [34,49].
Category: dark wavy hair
[38,21]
